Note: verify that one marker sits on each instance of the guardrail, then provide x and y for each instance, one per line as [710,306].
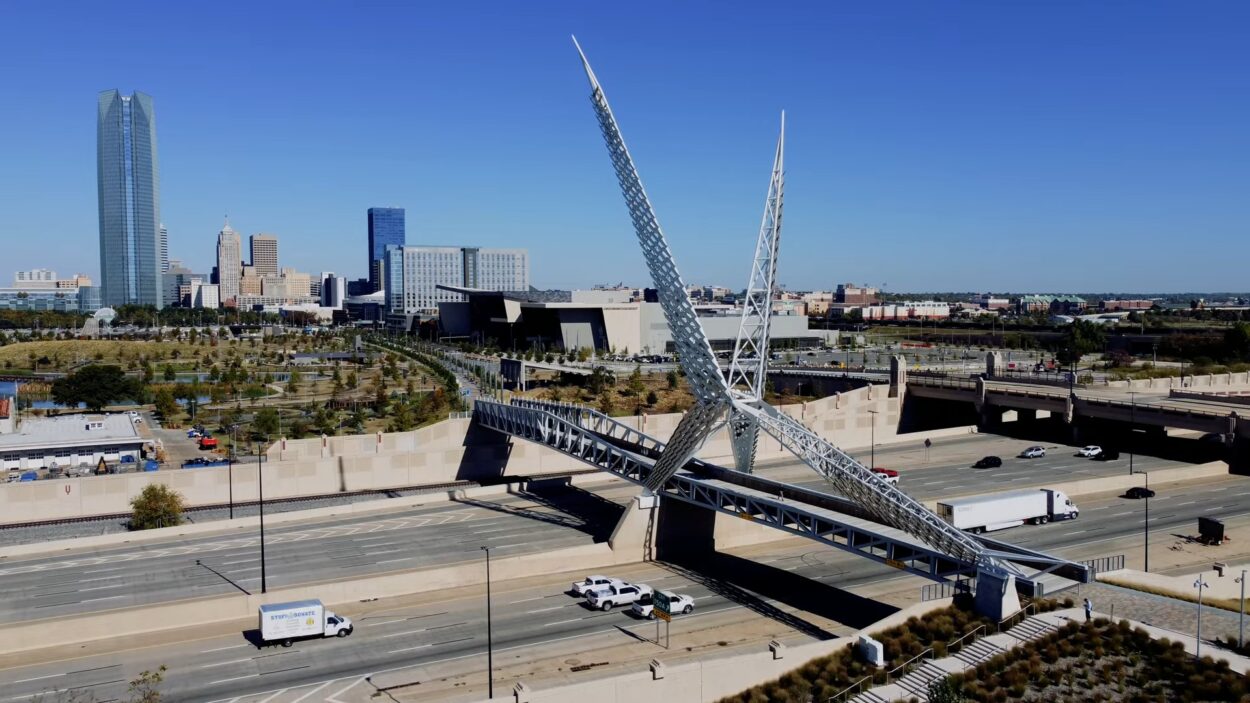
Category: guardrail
[928,652]
[853,688]
[935,591]
[1105,563]
[956,645]
[1022,613]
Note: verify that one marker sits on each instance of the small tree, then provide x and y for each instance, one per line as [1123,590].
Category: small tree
[156,506]
[943,691]
[145,687]
[652,398]
[166,403]
[634,386]
[169,374]
[671,377]
[96,386]
[266,422]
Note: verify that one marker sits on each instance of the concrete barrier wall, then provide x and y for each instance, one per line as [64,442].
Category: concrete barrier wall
[1217,380]
[709,679]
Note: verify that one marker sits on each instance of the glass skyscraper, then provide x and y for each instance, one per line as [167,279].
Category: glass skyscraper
[386,228]
[128,180]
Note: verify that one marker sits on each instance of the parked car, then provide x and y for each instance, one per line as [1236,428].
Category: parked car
[988,462]
[890,476]
[644,607]
[1137,492]
[1034,452]
[1090,451]
[591,583]
[1108,455]
[610,596]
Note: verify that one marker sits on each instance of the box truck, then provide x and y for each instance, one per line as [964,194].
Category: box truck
[998,511]
[287,622]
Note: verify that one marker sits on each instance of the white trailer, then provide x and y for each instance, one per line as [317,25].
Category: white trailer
[997,511]
[287,622]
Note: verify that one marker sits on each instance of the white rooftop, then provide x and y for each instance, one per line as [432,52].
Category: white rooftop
[71,430]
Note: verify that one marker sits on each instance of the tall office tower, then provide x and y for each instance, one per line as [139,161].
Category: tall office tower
[128,183]
[229,263]
[265,254]
[386,227]
[164,250]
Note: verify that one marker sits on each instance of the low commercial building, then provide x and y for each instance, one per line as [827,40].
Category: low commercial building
[851,294]
[68,441]
[1124,305]
[567,320]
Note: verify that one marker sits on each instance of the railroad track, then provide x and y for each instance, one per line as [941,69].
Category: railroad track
[423,488]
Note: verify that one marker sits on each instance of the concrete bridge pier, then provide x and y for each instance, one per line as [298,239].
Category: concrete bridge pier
[635,535]
[996,595]
[1239,452]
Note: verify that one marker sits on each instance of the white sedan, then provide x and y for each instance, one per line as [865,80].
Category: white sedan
[677,603]
[1090,451]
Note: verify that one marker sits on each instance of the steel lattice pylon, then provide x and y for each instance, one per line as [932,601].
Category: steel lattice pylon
[714,395]
[748,366]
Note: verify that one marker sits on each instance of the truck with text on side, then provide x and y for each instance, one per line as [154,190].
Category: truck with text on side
[283,623]
[997,511]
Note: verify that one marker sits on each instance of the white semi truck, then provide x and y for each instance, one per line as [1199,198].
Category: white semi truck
[286,622]
[997,511]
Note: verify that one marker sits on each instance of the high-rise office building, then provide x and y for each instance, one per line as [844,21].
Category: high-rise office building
[164,252]
[229,263]
[386,228]
[128,183]
[414,274]
[265,254]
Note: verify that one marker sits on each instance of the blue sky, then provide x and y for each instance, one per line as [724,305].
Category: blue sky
[1099,146]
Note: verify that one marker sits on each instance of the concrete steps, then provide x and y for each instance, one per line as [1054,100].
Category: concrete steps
[1032,628]
[917,681]
[868,697]
[978,651]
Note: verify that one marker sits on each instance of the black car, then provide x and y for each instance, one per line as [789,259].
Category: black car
[1139,492]
[1107,455]
[988,462]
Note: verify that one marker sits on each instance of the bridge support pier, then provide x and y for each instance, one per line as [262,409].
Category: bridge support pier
[996,595]
[634,537]
[1239,452]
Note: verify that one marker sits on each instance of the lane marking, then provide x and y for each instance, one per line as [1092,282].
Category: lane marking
[234,678]
[38,678]
[400,634]
[233,661]
[297,700]
[544,610]
[562,622]
[408,649]
[222,649]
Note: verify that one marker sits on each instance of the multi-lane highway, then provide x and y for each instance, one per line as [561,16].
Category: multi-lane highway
[791,589]
[435,535]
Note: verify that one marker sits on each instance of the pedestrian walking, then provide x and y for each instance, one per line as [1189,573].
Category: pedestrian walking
[1089,609]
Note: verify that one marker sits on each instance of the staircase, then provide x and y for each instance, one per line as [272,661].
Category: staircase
[915,683]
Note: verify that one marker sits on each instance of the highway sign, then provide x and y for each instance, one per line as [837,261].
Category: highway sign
[661,605]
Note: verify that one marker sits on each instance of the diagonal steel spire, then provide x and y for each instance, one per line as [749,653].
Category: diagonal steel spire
[694,352]
[748,368]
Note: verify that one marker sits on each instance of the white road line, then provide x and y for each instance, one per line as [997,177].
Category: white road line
[544,610]
[221,649]
[1075,533]
[90,600]
[526,600]
[238,561]
[514,544]
[409,649]
[401,634]
[38,678]
[275,695]
[327,683]
[562,622]
[392,561]
[1186,503]
[234,678]
[1126,512]
[232,661]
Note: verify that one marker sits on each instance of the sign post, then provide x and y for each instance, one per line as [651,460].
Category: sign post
[662,608]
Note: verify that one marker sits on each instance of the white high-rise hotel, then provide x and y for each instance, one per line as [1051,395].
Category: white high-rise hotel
[229,263]
[414,274]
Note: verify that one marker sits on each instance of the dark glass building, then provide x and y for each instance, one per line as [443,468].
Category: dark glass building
[128,181]
[386,228]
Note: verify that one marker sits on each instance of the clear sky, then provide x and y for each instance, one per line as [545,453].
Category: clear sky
[1092,146]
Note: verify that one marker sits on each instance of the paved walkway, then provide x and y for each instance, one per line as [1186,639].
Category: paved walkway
[1163,613]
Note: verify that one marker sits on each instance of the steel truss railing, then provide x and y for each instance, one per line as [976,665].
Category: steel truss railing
[548,424]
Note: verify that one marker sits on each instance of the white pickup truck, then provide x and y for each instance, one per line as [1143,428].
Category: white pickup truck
[607,597]
[644,607]
[591,583]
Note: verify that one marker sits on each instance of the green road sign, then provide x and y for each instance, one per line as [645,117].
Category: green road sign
[663,609]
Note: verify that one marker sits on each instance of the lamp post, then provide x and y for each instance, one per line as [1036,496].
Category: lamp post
[234,442]
[490,653]
[1199,584]
[1241,620]
[1146,523]
[872,441]
[1132,427]
[260,489]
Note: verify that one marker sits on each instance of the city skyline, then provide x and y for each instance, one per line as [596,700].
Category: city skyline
[971,155]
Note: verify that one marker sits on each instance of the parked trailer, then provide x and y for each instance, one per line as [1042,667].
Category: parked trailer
[997,511]
[286,622]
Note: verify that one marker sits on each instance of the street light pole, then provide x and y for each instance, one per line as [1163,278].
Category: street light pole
[490,650]
[1241,620]
[1146,523]
[260,490]
[872,441]
[1132,427]
[234,443]
[1199,584]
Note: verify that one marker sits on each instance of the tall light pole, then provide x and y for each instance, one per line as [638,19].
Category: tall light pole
[1132,427]
[260,490]
[1199,584]
[1146,523]
[490,649]
[872,441]
[1241,620]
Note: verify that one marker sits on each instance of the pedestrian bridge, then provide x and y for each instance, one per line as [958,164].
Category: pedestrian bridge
[604,443]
